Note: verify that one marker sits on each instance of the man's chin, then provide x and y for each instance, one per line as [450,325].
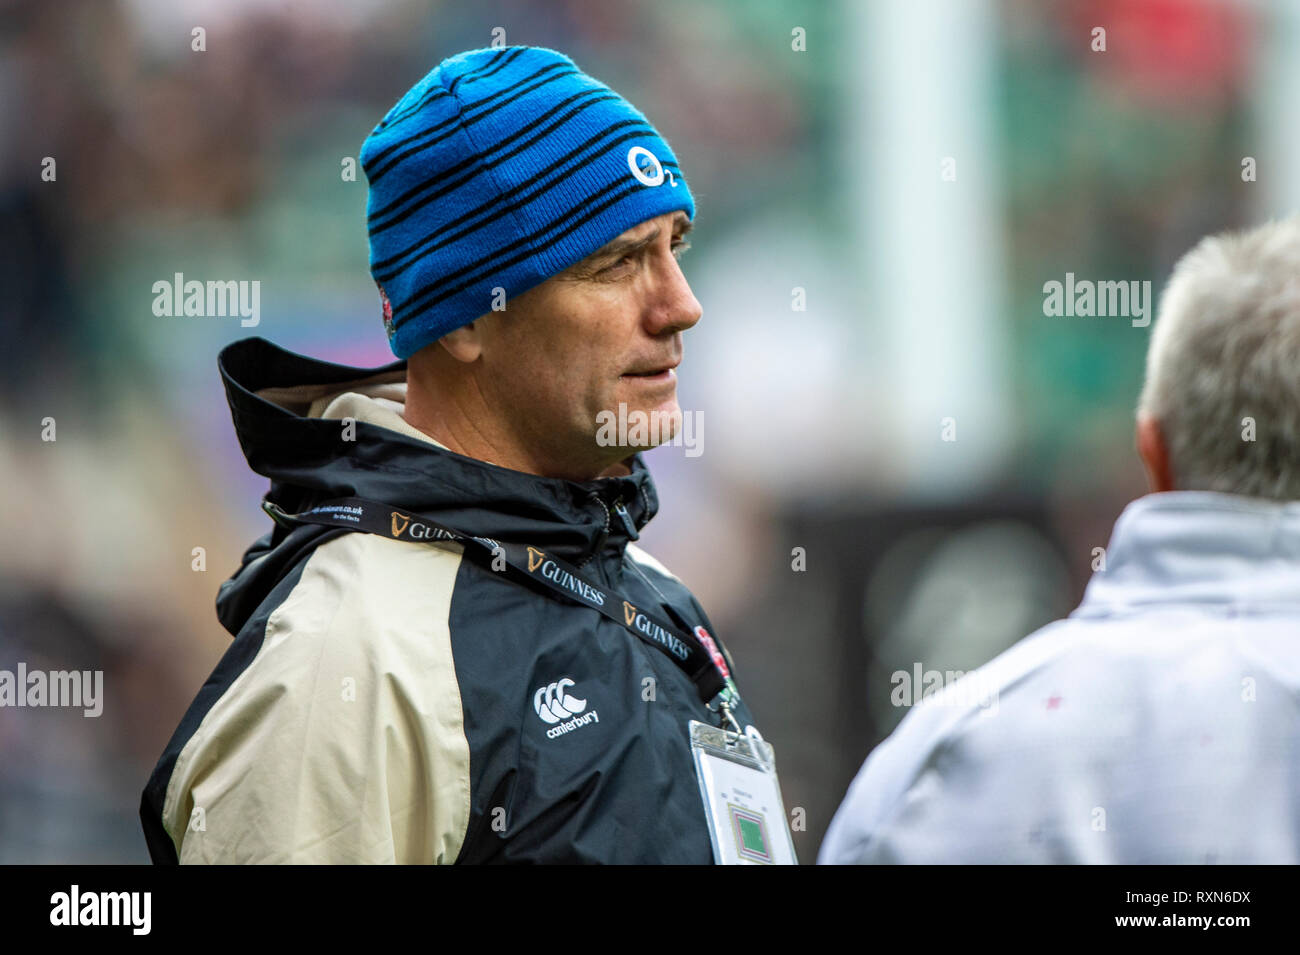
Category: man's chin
[634,427]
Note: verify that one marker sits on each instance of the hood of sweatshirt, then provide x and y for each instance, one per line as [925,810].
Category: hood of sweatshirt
[288,413]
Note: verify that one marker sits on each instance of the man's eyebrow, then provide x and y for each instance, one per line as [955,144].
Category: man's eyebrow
[621,247]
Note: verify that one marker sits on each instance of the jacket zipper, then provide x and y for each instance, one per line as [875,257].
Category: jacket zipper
[628,524]
[600,541]
[621,511]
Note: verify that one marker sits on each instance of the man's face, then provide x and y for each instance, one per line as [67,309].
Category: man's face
[605,332]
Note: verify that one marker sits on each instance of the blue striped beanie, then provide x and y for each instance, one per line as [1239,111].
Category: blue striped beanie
[500,168]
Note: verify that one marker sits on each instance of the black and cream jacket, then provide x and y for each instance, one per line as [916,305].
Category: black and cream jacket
[397,701]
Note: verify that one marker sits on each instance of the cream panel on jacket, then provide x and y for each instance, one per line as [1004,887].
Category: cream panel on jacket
[344,740]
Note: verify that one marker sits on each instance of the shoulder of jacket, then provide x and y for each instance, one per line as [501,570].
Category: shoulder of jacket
[645,559]
[359,563]
[354,684]
[361,591]
[957,719]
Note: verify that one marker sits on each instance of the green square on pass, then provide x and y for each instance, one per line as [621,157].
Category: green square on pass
[751,836]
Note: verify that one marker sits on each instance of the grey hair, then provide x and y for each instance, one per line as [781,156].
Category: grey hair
[1226,347]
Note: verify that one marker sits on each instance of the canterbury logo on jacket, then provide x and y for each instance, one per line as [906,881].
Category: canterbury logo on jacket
[399,700]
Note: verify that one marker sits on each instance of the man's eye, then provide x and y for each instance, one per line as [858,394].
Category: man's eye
[630,259]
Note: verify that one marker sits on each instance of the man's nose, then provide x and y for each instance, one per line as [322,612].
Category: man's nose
[673,307]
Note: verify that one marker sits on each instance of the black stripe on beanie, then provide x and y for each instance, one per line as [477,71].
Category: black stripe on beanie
[421,300]
[374,172]
[437,89]
[383,270]
[480,163]
[493,66]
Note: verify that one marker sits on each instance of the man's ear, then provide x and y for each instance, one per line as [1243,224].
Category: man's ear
[464,343]
[1154,452]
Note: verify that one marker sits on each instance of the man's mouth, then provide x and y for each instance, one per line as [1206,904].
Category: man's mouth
[653,374]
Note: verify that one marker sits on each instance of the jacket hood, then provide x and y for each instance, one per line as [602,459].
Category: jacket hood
[276,398]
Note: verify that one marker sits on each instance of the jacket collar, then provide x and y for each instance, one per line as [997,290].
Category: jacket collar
[1199,547]
[270,389]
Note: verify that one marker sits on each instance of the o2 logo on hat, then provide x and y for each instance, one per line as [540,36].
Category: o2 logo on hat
[643,174]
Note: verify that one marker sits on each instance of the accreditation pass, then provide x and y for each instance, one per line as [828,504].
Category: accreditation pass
[742,798]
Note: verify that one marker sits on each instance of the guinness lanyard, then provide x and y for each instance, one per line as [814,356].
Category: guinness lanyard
[698,656]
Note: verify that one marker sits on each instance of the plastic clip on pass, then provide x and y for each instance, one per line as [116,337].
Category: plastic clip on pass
[727,717]
[756,746]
